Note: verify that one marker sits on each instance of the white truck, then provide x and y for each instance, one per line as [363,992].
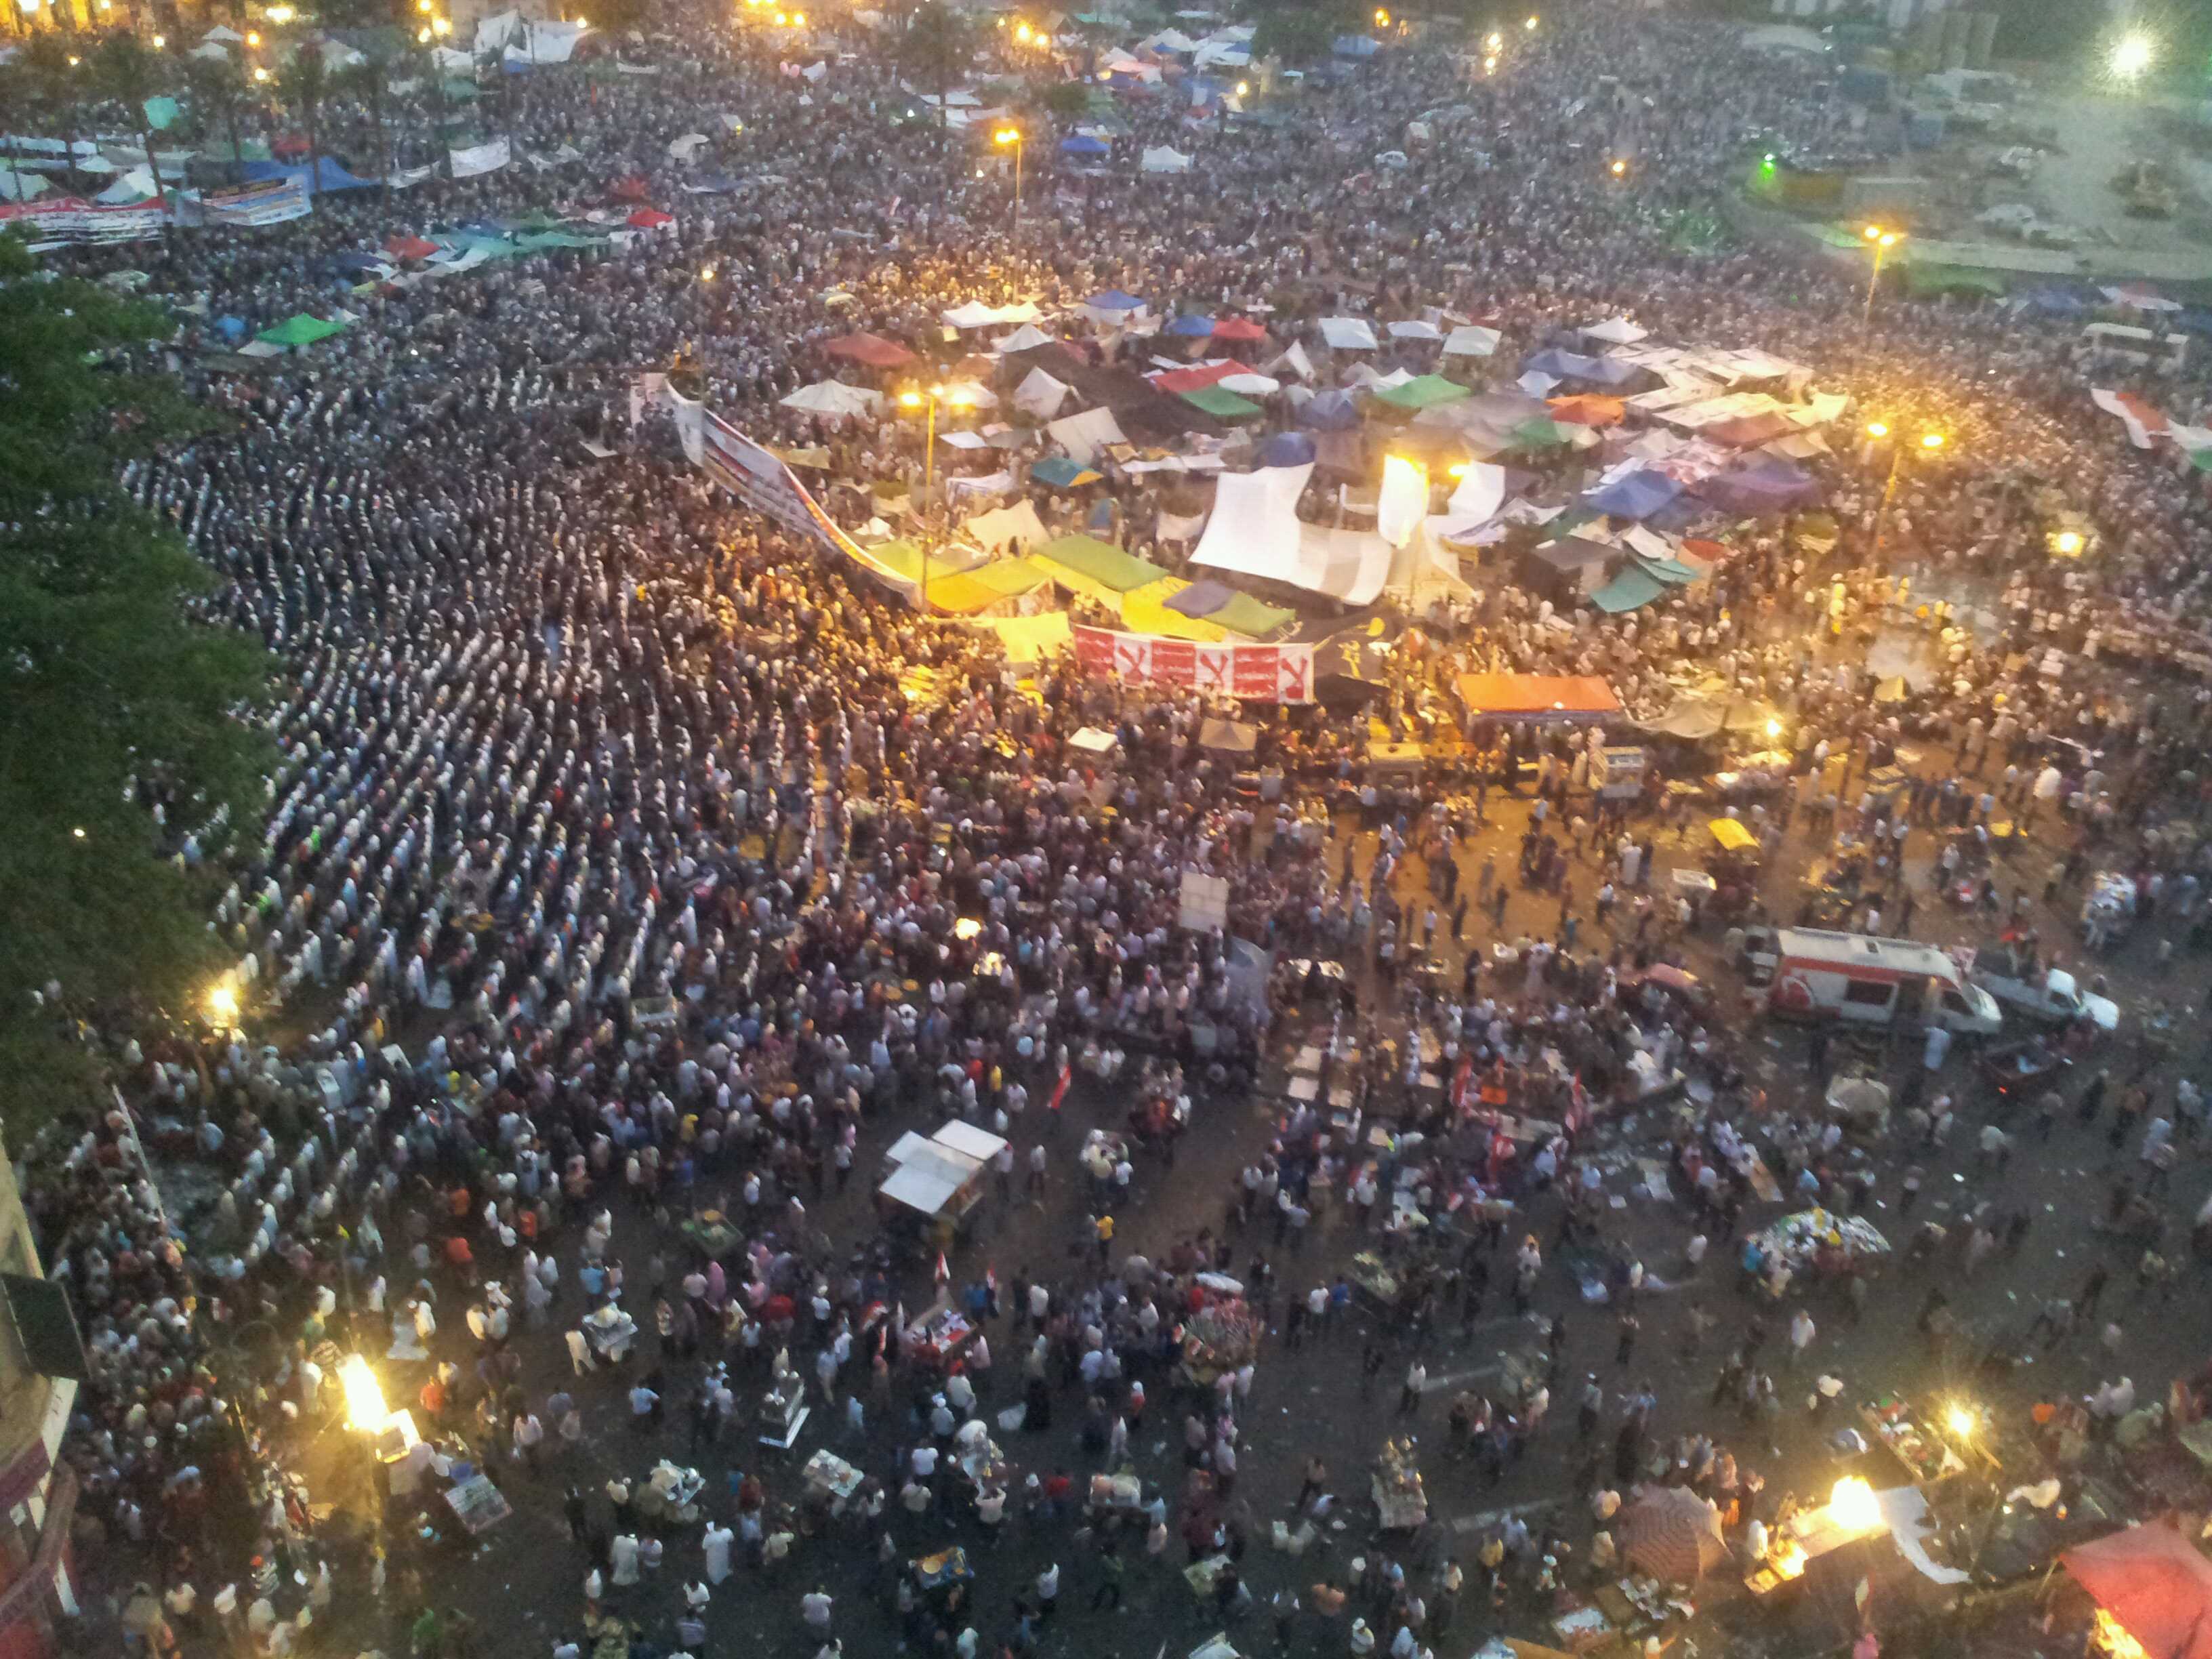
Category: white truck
[2050,996]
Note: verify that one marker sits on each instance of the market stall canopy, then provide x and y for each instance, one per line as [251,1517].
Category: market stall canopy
[1348,334]
[1221,402]
[1589,409]
[1099,568]
[1414,328]
[1472,340]
[1027,338]
[302,330]
[1237,328]
[1423,392]
[1236,612]
[1618,331]
[2156,1583]
[1635,494]
[1556,696]
[1017,524]
[833,397]
[1632,590]
[870,349]
[1084,434]
[1696,716]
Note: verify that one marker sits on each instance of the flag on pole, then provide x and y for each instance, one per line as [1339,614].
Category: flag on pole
[944,1270]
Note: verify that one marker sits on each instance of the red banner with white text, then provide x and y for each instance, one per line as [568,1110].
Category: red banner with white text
[1264,673]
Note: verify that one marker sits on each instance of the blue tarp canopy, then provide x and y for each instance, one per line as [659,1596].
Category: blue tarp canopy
[1114,300]
[1632,588]
[1563,365]
[1355,46]
[1084,144]
[1201,599]
[1635,495]
[1192,325]
[710,183]
[1766,486]
[1330,411]
[232,328]
[1059,471]
[329,175]
[1285,449]
[2055,301]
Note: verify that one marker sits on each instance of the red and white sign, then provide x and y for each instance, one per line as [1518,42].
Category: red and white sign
[1261,673]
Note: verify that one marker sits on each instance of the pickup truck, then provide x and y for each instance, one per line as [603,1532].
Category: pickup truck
[2052,998]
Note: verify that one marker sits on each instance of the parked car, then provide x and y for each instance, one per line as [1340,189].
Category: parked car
[2049,997]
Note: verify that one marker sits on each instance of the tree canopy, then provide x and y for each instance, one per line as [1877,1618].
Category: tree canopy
[126,722]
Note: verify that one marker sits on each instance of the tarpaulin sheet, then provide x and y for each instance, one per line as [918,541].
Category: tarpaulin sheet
[1636,495]
[1632,588]
[2154,1581]
[1084,434]
[1423,392]
[1089,565]
[1255,527]
[964,594]
[1347,334]
[1017,524]
[1555,694]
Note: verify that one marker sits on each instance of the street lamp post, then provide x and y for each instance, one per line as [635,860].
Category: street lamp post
[1881,240]
[1930,443]
[927,400]
[1003,137]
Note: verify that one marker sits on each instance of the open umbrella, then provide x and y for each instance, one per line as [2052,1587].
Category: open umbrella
[1671,1534]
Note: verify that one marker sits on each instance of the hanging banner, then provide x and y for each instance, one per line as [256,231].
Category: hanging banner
[479,158]
[764,483]
[270,203]
[72,219]
[1263,673]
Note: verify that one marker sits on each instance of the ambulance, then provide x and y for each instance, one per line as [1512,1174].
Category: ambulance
[1886,983]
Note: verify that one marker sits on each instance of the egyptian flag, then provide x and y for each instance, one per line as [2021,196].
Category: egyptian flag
[943,1271]
[2145,423]
[1578,1108]
[1060,1089]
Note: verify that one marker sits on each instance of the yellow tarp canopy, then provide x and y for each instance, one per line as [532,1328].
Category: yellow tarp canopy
[1145,611]
[1731,834]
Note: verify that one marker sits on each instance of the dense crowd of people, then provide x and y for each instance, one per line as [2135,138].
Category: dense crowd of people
[569,739]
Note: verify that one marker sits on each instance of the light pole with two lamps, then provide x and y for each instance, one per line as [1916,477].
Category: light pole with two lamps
[929,399]
[1011,138]
[1881,240]
[1879,431]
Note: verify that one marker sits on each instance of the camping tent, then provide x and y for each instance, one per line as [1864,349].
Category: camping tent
[1040,395]
[833,397]
[1161,159]
[2156,1583]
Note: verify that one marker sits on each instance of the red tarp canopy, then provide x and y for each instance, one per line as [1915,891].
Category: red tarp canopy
[1237,328]
[632,189]
[410,248]
[1747,429]
[650,219]
[1589,410]
[1199,378]
[291,146]
[870,349]
[2152,1580]
[1709,552]
[1554,695]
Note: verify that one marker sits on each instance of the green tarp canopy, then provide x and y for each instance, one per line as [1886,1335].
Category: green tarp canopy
[492,247]
[1423,392]
[539,220]
[1567,523]
[903,560]
[544,239]
[1634,588]
[1926,279]
[300,331]
[1536,434]
[2201,459]
[1246,616]
[1223,405]
[1101,562]
[1672,572]
[461,92]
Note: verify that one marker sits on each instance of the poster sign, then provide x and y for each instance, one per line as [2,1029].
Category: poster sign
[1267,673]
[72,219]
[1205,902]
[270,203]
[763,483]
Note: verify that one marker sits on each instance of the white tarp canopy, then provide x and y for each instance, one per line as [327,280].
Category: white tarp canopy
[833,397]
[214,50]
[554,43]
[1018,523]
[496,30]
[976,314]
[451,60]
[687,148]
[1255,531]
[1249,385]
[1027,338]
[1415,330]
[1480,491]
[224,36]
[1471,340]
[1040,395]
[1161,159]
[135,185]
[479,158]
[1348,334]
[1365,374]
[1617,331]
[1293,360]
[1083,436]
[1421,570]
[21,187]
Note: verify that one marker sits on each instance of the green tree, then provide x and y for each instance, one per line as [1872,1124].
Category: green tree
[303,85]
[937,48]
[1068,99]
[217,91]
[370,82]
[112,694]
[1300,34]
[126,71]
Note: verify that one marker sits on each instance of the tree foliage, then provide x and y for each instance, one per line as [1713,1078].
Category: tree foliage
[112,695]
[1299,34]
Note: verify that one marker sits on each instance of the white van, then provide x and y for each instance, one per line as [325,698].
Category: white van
[1819,974]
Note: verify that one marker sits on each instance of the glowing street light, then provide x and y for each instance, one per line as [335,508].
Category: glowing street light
[1962,1421]
[1244,88]
[2067,542]
[280,14]
[1619,169]
[1530,25]
[161,42]
[1929,444]
[1382,18]
[2131,55]
[1011,138]
[253,39]
[1880,238]
[1877,429]
[260,75]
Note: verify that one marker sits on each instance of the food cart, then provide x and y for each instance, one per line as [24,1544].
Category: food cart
[935,1336]
[1219,1336]
[935,1184]
[1820,1243]
[1402,1503]
[1929,1445]
[611,1333]
[831,1477]
[941,1571]
[710,1233]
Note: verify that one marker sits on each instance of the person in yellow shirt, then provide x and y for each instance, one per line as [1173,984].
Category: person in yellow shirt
[1105,1234]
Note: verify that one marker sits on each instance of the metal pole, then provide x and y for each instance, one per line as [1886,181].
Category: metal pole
[928,483]
[1018,147]
[1868,320]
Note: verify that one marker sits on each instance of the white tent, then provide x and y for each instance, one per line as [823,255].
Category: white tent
[1083,436]
[1365,374]
[1471,340]
[496,30]
[338,55]
[1348,334]
[135,185]
[1255,528]
[1415,330]
[833,397]
[1618,330]
[1421,570]
[976,314]
[1163,159]
[1018,523]
[1027,338]
[1040,395]
[1169,41]
[214,50]
[1293,360]
[452,60]
[16,186]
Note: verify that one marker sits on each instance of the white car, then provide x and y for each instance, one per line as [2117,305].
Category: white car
[2053,998]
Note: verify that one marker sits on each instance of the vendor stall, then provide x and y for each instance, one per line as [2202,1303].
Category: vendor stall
[933,1185]
[1818,1243]
[1401,1502]
[936,1336]
[1928,1444]
[831,1476]
[477,1504]
[710,1233]
[611,1333]
[1220,1336]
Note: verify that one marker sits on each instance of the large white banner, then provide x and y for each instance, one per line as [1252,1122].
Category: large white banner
[72,219]
[479,158]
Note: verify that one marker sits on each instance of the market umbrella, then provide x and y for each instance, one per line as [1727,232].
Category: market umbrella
[1671,1534]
